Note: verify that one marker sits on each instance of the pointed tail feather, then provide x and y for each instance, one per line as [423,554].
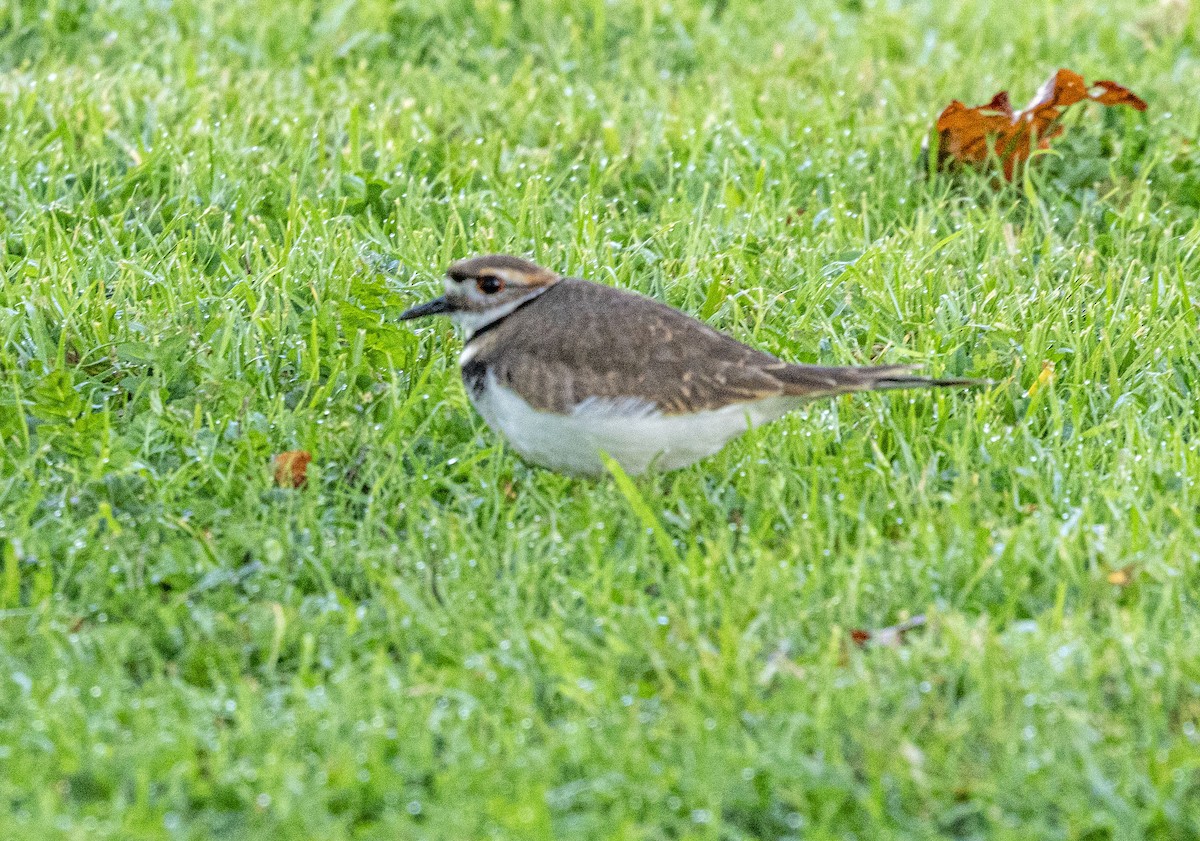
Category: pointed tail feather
[819,380]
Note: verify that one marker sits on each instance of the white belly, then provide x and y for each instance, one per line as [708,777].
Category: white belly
[629,431]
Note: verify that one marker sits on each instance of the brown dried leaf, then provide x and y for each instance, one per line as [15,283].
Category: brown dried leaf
[891,637]
[970,135]
[1107,92]
[291,468]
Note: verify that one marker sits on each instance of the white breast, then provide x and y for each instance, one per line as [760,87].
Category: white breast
[630,430]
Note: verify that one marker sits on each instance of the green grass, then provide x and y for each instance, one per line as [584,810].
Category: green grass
[432,640]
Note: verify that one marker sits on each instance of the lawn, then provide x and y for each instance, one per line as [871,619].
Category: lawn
[212,214]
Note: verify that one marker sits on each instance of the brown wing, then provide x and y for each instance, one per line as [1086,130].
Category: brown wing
[580,339]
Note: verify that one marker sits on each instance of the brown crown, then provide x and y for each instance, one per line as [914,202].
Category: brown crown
[472,267]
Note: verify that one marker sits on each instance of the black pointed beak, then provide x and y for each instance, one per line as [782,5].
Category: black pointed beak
[437,306]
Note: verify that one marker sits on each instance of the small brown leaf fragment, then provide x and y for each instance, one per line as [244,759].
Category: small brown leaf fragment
[291,468]
[859,636]
[890,637]
[1122,577]
[964,131]
[1110,93]
[970,135]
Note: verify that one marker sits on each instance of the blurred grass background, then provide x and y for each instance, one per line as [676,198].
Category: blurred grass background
[211,213]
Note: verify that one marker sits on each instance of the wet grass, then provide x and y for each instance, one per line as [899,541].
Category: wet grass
[211,213]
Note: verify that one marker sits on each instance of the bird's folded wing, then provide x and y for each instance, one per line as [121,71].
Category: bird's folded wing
[582,341]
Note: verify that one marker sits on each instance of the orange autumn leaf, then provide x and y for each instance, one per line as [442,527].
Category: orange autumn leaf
[970,135]
[291,468]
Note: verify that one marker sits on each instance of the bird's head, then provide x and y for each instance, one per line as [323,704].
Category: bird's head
[480,290]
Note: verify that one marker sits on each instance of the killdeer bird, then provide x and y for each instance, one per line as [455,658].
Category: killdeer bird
[566,369]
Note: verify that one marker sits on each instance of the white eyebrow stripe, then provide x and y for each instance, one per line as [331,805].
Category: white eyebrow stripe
[507,275]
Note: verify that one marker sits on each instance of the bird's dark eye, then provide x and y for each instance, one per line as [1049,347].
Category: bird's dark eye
[489,284]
